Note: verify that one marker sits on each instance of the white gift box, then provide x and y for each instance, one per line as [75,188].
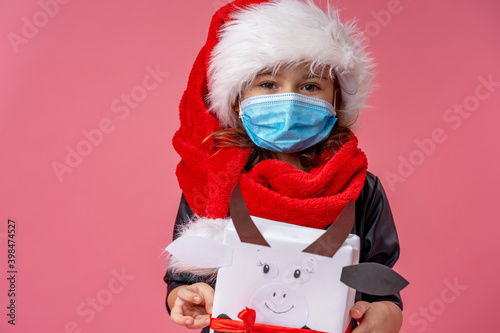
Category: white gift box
[285,286]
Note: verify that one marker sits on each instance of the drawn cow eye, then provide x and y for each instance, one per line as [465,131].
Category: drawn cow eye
[269,270]
[301,275]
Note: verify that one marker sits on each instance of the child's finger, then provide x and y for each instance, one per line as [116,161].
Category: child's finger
[177,314]
[189,295]
[208,297]
[200,321]
[359,309]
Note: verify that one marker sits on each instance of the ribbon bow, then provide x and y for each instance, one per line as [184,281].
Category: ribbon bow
[248,325]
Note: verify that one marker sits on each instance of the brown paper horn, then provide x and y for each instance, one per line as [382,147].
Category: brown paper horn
[333,238]
[243,223]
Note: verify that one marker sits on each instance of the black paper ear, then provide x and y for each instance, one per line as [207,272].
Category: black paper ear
[330,242]
[243,223]
[373,278]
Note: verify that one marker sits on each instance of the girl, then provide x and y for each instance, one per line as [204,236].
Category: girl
[269,105]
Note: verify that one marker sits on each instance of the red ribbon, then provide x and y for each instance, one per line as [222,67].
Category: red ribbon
[248,325]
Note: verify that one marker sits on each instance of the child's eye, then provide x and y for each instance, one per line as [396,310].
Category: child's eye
[310,87]
[268,85]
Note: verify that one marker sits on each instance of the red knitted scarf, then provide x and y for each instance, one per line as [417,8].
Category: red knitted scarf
[272,189]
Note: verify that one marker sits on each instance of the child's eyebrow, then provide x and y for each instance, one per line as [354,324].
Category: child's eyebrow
[305,77]
[270,73]
[314,75]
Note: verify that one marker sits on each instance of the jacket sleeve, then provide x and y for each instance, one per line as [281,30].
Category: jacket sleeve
[184,214]
[377,231]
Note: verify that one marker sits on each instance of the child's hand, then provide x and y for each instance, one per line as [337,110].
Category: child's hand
[193,305]
[377,317]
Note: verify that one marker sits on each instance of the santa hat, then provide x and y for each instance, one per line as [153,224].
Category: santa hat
[265,35]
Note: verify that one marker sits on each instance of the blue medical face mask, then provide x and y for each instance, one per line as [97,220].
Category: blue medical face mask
[287,122]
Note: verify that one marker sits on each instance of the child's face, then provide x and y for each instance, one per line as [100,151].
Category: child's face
[298,79]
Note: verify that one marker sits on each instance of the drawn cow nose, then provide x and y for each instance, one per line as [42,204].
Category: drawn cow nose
[278,295]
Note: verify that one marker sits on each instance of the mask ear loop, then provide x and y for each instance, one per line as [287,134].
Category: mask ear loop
[240,112]
[335,90]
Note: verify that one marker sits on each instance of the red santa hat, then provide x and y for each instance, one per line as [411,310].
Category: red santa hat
[265,35]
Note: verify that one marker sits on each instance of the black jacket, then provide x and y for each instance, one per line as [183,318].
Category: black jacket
[374,225]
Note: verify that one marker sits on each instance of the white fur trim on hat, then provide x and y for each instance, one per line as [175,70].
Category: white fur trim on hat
[203,227]
[267,35]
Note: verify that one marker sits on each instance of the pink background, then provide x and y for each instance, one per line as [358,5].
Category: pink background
[113,213]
